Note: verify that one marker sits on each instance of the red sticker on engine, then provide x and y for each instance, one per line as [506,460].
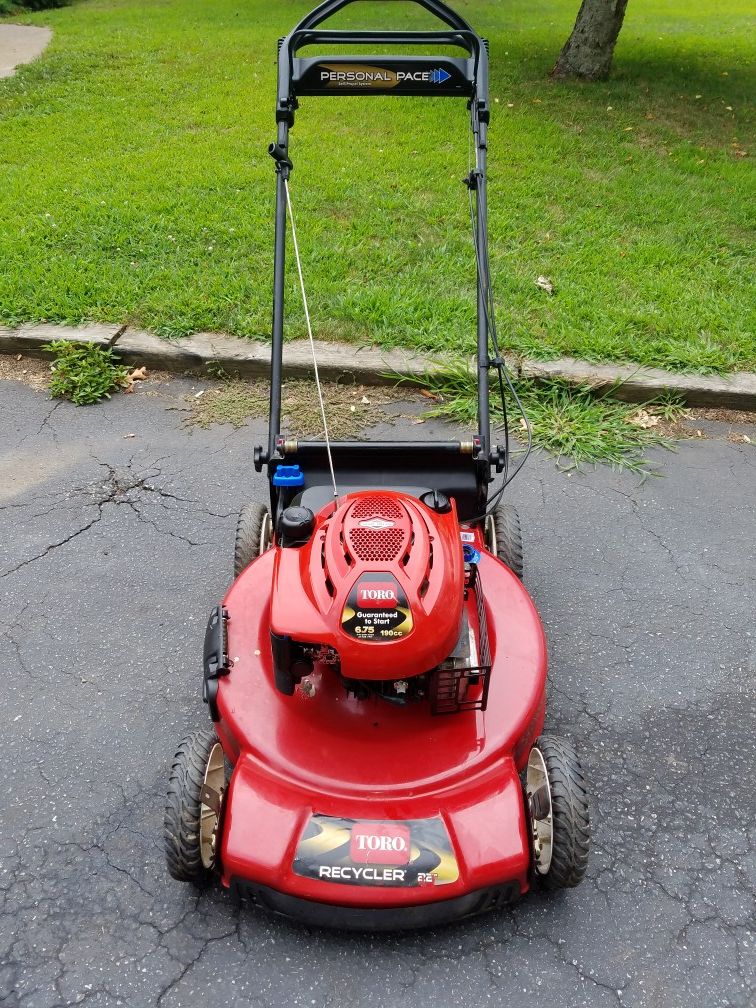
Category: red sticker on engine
[376,609]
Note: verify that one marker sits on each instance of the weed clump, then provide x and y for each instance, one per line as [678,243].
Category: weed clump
[572,422]
[84,373]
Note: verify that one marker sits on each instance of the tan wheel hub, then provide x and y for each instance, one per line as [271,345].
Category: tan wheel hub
[211,801]
[538,792]
[266,533]
[490,535]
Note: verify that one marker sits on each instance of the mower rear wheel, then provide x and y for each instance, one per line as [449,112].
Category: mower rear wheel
[253,535]
[558,809]
[504,537]
[196,787]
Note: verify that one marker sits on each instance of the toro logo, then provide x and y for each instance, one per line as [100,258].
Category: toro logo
[377,595]
[380,843]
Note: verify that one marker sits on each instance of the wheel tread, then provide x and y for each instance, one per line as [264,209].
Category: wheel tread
[182,808]
[248,534]
[570,813]
[508,531]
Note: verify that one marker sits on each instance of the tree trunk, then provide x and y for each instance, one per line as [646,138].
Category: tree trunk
[588,51]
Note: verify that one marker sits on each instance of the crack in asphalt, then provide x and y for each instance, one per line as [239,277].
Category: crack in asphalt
[121,489]
[191,963]
[53,546]
[44,423]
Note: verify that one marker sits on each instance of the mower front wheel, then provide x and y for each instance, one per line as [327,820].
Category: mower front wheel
[253,535]
[504,536]
[557,805]
[194,802]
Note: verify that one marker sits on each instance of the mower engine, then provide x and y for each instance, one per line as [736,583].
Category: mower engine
[375,587]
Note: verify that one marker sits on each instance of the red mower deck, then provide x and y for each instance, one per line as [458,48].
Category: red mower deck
[310,765]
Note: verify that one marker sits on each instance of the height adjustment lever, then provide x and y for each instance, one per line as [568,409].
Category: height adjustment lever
[260,458]
[498,457]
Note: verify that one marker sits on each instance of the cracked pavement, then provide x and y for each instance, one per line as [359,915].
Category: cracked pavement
[114,549]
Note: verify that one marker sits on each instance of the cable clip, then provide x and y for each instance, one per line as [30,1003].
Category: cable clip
[282,159]
[471,180]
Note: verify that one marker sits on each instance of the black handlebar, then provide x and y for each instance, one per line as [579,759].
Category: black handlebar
[440,76]
[429,76]
[301,37]
[330,7]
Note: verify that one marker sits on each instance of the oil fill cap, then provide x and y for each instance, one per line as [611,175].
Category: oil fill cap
[436,501]
[295,526]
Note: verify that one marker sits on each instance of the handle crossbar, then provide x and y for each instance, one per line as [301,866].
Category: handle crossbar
[429,76]
[325,10]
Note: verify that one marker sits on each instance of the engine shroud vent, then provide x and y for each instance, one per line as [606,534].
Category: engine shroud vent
[377,530]
[376,545]
[377,507]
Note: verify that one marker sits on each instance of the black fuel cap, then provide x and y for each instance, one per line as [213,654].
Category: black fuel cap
[436,501]
[295,526]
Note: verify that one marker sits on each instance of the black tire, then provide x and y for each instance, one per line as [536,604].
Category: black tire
[569,812]
[506,527]
[181,825]
[249,532]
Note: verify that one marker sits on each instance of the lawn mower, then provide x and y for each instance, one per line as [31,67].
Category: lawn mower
[376,672]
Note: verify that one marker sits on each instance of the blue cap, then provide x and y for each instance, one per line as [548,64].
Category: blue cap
[470,554]
[288,476]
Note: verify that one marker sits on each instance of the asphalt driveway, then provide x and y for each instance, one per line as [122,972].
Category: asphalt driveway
[117,540]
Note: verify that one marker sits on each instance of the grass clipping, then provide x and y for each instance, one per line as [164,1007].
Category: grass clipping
[349,409]
[569,421]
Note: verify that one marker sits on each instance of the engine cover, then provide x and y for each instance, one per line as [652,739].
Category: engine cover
[381,581]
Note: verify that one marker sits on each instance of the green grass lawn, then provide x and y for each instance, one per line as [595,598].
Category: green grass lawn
[135,184]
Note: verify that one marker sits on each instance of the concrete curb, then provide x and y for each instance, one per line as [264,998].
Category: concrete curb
[208,352]
[251,359]
[641,384]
